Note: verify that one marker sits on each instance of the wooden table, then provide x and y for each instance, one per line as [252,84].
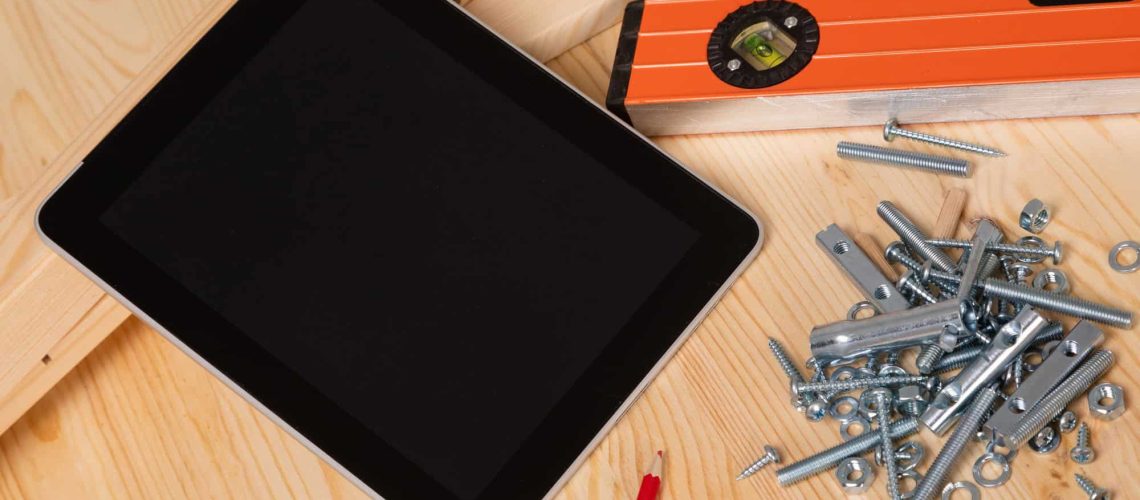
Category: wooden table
[137,418]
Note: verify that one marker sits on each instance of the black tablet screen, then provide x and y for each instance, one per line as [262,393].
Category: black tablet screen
[404,236]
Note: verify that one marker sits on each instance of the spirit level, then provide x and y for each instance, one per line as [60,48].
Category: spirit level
[699,66]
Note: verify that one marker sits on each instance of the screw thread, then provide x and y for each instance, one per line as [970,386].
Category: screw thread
[969,424]
[1064,304]
[912,286]
[752,469]
[1078,382]
[893,357]
[928,358]
[943,141]
[996,247]
[888,446]
[857,383]
[911,235]
[1086,484]
[826,459]
[785,362]
[1083,435]
[942,165]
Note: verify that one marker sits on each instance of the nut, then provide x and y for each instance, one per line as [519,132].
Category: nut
[1106,401]
[912,400]
[1035,216]
[855,475]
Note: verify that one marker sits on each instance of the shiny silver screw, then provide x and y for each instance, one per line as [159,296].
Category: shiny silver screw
[829,458]
[857,383]
[770,456]
[883,402]
[969,423]
[1067,421]
[1064,304]
[1056,253]
[1091,488]
[790,369]
[1082,453]
[891,129]
[961,357]
[1072,387]
[909,283]
[734,65]
[928,358]
[934,164]
[912,236]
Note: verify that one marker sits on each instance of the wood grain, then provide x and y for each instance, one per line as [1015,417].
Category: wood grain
[140,419]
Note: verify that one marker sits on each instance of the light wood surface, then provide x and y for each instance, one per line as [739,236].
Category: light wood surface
[137,418]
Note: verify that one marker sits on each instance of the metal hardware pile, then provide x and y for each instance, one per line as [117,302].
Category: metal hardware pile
[980,322]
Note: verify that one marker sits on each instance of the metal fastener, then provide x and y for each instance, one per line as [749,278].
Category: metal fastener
[883,401]
[1064,304]
[1078,382]
[892,129]
[1055,277]
[826,459]
[1035,216]
[770,456]
[912,236]
[1047,440]
[1106,401]
[938,323]
[1114,257]
[789,369]
[935,164]
[1067,422]
[967,426]
[859,383]
[1057,253]
[1082,453]
[1094,492]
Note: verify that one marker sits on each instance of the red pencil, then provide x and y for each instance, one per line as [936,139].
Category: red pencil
[651,482]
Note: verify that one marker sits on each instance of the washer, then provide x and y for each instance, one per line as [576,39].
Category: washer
[1115,253]
[912,474]
[998,481]
[1034,242]
[949,490]
[852,413]
[845,428]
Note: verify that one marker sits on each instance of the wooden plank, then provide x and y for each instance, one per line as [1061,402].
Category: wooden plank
[140,419]
[549,28]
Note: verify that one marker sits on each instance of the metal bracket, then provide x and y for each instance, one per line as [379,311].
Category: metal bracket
[861,270]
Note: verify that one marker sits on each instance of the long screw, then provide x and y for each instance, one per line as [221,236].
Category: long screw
[829,458]
[1056,253]
[1082,453]
[935,164]
[912,236]
[891,129]
[1064,304]
[1094,492]
[888,447]
[857,383]
[1077,383]
[770,456]
[789,368]
[909,283]
[967,426]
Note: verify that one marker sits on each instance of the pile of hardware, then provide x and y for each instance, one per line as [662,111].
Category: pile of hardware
[981,315]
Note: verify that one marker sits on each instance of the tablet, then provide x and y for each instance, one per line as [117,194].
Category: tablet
[431,260]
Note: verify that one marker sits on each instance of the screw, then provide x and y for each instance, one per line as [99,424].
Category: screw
[910,284]
[969,423]
[911,235]
[1047,409]
[891,129]
[1067,421]
[1056,253]
[1094,492]
[791,22]
[856,383]
[1064,304]
[1082,453]
[919,161]
[928,358]
[770,456]
[960,358]
[789,368]
[883,402]
[826,459]
[734,65]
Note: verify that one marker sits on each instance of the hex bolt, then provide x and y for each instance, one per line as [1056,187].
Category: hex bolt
[912,236]
[770,456]
[1094,492]
[1056,253]
[789,368]
[1064,304]
[928,358]
[969,423]
[934,164]
[829,458]
[892,129]
[1072,387]
[857,383]
[1082,453]
[883,402]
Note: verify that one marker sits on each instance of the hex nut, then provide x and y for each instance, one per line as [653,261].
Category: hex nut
[912,400]
[855,475]
[1106,401]
[1035,216]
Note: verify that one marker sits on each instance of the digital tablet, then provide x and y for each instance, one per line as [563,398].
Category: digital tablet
[413,247]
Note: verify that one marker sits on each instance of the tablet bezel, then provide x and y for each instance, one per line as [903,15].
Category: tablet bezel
[69,221]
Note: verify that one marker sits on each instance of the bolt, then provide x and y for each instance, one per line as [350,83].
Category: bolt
[891,129]
[910,284]
[1091,488]
[928,357]
[969,423]
[770,456]
[829,458]
[1064,304]
[943,165]
[960,358]
[912,236]
[1056,253]
[789,368]
[856,383]
[1082,453]
[1047,409]
[883,402]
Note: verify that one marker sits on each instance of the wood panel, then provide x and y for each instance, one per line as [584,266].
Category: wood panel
[139,419]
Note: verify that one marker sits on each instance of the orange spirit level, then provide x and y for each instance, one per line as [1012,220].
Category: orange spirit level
[699,66]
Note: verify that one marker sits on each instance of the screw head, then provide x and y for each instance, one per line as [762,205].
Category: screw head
[1057,253]
[816,410]
[889,129]
[771,454]
[791,22]
[734,65]
[1082,455]
[1100,495]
